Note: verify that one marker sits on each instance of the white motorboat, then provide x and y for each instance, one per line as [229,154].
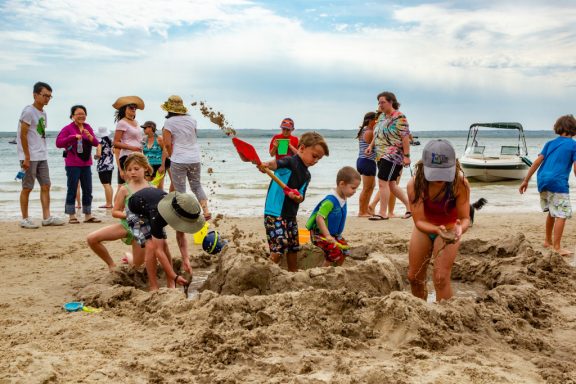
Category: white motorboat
[499,162]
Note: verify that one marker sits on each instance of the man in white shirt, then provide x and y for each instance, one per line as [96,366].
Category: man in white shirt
[33,155]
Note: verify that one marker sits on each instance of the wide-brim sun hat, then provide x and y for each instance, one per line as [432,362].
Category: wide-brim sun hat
[439,160]
[182,212]
[127,100]
[102,132]
[174,104]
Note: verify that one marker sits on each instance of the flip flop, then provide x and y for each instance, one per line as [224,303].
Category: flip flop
[377,218]
[93,220]
[106,206]
[407,215]
[73,221]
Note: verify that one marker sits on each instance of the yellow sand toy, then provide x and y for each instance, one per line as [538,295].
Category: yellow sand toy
[75,306]
[201,234]
[156,181]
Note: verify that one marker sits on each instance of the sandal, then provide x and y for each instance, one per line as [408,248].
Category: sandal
[93,220]
[73,221]
[106,206]
[407,215]
[377,218]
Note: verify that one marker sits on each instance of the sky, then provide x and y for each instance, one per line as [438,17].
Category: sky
[450,63]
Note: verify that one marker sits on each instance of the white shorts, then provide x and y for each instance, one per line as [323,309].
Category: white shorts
[557,204]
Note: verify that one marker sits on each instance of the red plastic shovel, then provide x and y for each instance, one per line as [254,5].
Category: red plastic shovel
[248,153]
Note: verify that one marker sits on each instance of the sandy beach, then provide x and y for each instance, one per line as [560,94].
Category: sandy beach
[512,320]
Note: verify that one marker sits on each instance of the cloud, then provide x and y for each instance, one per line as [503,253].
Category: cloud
[248,56]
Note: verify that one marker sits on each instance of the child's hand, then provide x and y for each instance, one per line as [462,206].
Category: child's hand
[523,186]
[449,237]
[294,195]
[186,266]
[262,167]
[368,150]
[458,230]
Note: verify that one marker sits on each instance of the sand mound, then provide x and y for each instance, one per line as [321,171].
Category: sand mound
[245,274]
[325,318]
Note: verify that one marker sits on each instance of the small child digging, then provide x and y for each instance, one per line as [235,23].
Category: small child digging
[328,219]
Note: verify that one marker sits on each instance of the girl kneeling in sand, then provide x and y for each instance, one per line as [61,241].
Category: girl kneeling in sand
[135,168]
[439,197]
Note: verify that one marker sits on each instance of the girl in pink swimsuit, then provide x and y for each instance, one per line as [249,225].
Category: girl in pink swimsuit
[439,197]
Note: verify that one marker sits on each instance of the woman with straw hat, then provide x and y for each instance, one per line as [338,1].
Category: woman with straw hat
[128,134]
[181,146]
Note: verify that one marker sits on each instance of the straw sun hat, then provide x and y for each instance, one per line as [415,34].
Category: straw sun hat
[182,212]
[125,100]
[174,104]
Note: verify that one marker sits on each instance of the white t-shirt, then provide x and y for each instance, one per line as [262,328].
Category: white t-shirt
[185,147]
[37,121]
[130,136]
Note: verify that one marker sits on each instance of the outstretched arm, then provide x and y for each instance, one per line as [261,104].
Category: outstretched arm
[531,171]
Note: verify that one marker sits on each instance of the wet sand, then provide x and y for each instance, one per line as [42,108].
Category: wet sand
[512,320]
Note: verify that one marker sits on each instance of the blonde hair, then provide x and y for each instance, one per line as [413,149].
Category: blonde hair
[140,159]
[347,175]
[310,139]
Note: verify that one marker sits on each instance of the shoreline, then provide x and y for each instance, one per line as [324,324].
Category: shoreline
[513,321]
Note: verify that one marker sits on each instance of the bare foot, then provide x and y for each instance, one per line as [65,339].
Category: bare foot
[371,210]
[547,244]
[563,252]
[392,215]
[364,215]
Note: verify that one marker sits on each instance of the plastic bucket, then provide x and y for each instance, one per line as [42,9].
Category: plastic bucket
[303,236]
[283,146]
[213,243]
[199,236]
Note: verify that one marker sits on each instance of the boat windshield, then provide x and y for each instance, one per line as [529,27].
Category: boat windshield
[490,142]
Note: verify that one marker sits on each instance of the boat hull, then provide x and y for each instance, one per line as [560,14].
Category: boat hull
[494,169]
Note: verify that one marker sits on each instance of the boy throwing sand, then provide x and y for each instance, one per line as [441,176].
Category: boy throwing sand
[281,208]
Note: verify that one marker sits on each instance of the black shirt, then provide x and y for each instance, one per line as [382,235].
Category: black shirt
[144,203]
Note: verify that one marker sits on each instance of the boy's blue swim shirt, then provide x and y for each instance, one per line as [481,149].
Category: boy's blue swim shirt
[292,171]
[559,155]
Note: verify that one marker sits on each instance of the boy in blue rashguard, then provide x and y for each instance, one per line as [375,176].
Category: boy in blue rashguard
[553,165]
[329,218]
[281,208]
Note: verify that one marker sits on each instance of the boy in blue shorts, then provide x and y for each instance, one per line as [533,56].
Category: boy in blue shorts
[553,165]
[281,208]
[329,217]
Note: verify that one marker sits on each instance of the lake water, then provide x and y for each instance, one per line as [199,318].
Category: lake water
[238,189]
